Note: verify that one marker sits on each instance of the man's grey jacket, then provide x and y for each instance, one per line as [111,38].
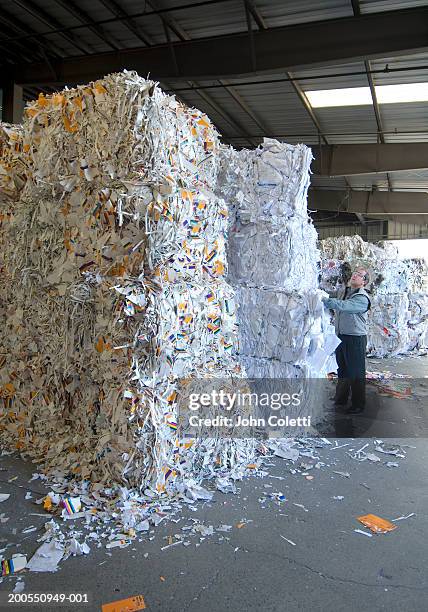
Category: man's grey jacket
[351,312]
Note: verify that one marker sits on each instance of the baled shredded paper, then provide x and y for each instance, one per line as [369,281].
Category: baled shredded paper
[398,318]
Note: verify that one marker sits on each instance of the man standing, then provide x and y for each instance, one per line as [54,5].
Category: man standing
[351,328]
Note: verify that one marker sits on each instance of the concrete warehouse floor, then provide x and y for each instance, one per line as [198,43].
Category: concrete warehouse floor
[330,567]
[386,416]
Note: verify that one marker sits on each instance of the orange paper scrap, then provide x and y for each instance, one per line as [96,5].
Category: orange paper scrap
[376,523]
[132,604]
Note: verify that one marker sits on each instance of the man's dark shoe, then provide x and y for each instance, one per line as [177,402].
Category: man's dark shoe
[353,410]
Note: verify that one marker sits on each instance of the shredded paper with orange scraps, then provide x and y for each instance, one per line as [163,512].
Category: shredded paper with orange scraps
[131,604]
[376,523]
[115,285]
[14,162]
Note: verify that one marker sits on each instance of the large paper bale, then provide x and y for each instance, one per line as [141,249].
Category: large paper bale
[284,331]
[118,259]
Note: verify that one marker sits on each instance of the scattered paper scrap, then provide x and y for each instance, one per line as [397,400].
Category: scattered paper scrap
[372,457]
[19,586]
[376,523]
[131,604]
[13,565]
[47,557]
[369,535]
[72,505]
[77,549]
[118,544]
[403,518]
[301,506]
[397,451]
[292,454]
[172,544]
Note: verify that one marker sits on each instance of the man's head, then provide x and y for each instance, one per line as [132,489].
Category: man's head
[359,278]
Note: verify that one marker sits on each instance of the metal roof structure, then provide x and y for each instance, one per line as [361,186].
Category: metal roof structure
[247,64]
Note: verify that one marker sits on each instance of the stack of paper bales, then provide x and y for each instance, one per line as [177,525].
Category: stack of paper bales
[418,321]
[273,262]
[397,321]
[418,304]
[117,255]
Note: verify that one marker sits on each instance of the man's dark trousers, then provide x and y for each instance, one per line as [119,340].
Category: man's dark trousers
[351,372]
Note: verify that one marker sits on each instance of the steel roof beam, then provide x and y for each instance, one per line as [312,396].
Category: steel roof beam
[83,17]
[169,20]
[376,109]
[369,202]
[126,16]
[244,106]
[257,16]
[12,103]
[416,219]
[357,11]
[354,159]
[17,50]
[132,26]
[12,55]
[44,17]
[361,218]
[366,36]
[250,11]
[173,25]
[15,25]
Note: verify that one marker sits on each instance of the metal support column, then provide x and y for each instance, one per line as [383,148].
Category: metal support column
[12,102]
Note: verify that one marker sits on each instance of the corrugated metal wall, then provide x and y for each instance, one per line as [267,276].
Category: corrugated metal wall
[370,231]
[373,231]
[403,231]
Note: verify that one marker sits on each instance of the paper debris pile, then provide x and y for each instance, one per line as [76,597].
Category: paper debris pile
[118,263]
[273,259]
[398,318]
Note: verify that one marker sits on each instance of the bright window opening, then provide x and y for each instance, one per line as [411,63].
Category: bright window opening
[359,96]
[355,96]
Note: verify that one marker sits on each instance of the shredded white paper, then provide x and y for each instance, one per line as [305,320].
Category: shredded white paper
[273,262]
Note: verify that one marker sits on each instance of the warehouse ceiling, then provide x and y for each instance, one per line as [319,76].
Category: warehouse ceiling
[249,65]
